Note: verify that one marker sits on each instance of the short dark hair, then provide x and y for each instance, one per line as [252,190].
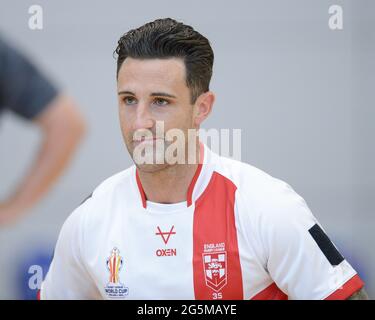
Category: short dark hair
[168,38]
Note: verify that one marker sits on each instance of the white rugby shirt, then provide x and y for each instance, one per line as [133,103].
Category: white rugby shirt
[241,234]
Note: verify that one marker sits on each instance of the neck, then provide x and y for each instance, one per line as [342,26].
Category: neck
[169,185]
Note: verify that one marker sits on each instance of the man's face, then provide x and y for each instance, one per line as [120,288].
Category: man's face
[152,90]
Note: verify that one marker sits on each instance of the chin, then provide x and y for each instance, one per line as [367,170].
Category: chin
[151,168]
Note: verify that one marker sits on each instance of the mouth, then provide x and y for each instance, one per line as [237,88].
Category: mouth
[145,140]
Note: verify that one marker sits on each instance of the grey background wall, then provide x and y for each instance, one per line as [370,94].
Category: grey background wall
[301,93]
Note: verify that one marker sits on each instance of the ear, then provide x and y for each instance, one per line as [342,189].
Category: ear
[203,107]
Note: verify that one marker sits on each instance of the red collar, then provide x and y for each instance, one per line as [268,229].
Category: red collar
[191,186]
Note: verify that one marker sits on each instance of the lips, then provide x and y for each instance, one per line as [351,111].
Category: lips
[144,140]
[147,139]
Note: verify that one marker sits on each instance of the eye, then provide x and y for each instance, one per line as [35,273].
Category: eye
[161,102]
[129,100]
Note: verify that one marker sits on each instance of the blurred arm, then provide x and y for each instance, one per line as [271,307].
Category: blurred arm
[62,128]
[359,295]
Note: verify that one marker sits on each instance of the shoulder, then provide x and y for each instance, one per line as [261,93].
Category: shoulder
[109,185]
[93,210]
[268,210]
[262,195]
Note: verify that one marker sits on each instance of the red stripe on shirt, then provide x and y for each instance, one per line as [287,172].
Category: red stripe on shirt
[214,223]
[346,290]
[140,188]
[196,175]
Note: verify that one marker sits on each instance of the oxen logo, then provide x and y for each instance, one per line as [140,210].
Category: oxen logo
[166,233]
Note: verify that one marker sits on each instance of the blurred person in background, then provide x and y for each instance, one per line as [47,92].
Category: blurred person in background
[25,91]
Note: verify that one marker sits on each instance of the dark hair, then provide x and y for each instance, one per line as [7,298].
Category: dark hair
[167,38]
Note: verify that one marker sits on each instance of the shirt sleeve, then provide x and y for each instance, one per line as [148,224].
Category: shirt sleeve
[301,259]
[23,88]
[67,277]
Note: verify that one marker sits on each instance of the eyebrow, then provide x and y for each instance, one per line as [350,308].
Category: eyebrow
[154,94]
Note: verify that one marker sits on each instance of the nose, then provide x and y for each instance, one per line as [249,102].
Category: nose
[143,117]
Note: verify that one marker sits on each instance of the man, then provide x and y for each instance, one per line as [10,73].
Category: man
[25,91]
[208,229]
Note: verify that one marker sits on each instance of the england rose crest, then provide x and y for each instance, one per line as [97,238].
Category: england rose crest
[215,270]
